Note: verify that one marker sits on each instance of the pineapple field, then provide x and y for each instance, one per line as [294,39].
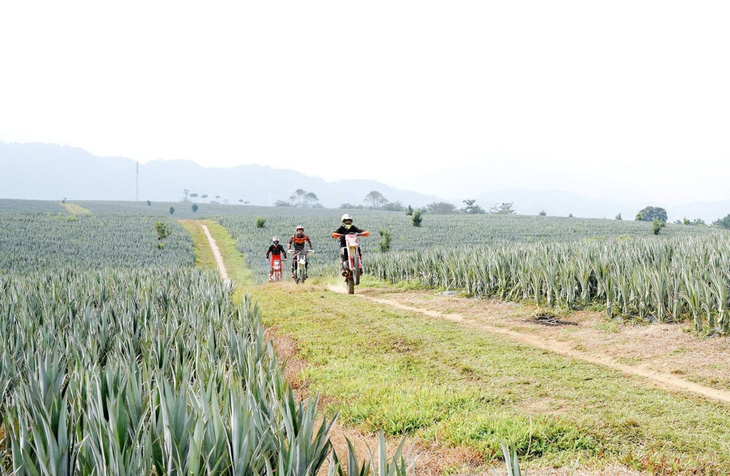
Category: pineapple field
[124,352]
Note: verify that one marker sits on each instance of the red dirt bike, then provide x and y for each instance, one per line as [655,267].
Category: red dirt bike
[276,268]
[352,267]
[300,265]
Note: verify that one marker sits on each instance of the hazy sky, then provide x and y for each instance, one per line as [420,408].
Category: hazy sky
[620,99]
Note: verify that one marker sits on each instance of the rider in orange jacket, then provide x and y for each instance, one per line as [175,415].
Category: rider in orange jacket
[296,244]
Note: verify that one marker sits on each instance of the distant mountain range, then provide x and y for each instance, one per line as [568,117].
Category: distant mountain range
[52,172]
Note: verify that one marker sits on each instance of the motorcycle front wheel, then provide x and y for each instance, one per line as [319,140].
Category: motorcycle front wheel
[356,271]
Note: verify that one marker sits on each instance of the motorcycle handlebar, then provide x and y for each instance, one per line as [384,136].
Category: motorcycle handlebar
[340,235]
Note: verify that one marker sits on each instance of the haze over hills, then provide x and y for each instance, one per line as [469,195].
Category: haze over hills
[52,172]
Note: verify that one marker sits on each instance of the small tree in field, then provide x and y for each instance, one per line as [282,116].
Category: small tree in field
[409,210]
[384,240]
[172,210]
[416,219]
[163,231]
[260,222]
[195,207]
[657,225]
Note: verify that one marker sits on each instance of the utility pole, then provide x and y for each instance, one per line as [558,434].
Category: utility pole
[137,199]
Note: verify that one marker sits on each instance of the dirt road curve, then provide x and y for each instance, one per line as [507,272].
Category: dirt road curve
[216,253]
[547,341]
[662,379]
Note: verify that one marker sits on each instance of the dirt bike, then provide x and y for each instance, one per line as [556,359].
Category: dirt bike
[276,268]
[300,265]
[352,267]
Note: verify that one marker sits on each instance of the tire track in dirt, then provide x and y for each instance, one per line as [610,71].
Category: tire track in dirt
[661,379]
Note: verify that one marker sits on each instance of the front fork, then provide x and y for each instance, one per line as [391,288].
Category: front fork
[349,261]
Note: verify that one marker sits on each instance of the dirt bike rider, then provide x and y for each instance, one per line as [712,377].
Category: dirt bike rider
[276,249]
[297,241]
[344,229]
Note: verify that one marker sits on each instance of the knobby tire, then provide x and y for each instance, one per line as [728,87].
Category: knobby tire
[356,271]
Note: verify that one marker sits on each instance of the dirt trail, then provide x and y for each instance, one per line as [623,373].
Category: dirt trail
[216,253]
[552,340]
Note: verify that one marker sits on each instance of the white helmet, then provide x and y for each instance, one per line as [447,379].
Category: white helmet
[275,239]
[346,216]
[299,227]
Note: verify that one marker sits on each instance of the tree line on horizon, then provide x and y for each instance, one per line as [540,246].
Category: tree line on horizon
[375,200]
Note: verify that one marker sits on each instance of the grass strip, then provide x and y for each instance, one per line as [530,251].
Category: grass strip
[406,373]
[76,209]
[232,258]
[203,254]
[234,262]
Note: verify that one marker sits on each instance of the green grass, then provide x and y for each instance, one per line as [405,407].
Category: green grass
[203,255]
[407,374]
[232,258]
[76,209]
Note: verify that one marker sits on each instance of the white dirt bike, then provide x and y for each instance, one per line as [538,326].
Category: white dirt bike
[300,265]
[353,264]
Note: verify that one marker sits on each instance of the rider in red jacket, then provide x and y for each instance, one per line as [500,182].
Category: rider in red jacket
[275,250]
